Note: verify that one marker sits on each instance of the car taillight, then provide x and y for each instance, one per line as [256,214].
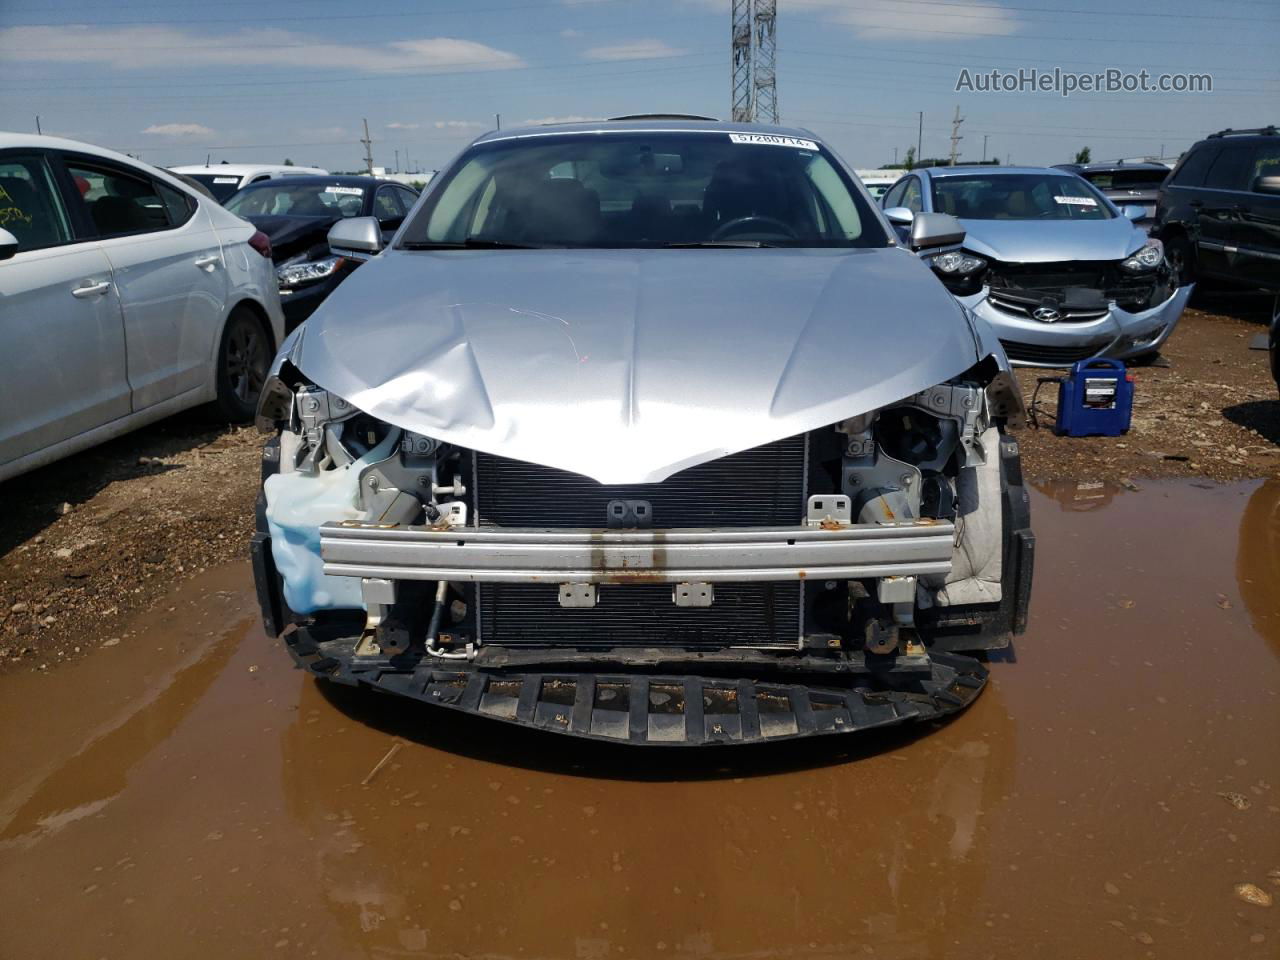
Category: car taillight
[260,243]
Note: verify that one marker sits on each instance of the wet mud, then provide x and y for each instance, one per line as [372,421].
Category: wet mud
[1113,792]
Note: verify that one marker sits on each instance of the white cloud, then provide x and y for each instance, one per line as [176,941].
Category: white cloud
[570,34]
[403,126]
[127,48]
[179,130]
[924,20]
[459,125]
[544,121]
[634,50]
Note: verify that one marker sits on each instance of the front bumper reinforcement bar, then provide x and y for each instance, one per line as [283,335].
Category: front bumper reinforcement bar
[736,554]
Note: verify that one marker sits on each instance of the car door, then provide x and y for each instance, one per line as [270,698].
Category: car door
[168,267]
[62,369]
[1220,206]
[1256,234]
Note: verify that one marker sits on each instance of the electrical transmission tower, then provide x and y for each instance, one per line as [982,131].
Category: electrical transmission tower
[754,60]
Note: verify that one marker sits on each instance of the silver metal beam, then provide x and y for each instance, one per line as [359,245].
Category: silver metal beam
[740,554]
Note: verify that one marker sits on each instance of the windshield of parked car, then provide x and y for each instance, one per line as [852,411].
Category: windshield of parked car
[628,189]
[221,185]
[1019,196]
[1126,179]
[282,198]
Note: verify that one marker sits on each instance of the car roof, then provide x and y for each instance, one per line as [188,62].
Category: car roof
[1123,165]
[988,170]
[331,179]
[241,169]
[655,124]
[31,141]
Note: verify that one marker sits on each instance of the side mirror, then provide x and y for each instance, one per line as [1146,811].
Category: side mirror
[8,244]
[899,216]
[1266,184]
[1133,211]
[935,230]
[355,235]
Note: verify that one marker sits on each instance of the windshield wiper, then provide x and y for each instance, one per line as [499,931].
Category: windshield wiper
[471,243]
[730,244]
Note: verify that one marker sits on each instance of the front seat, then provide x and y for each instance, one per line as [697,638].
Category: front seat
[561,211]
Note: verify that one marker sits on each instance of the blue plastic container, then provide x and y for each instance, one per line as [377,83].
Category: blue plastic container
[1095,399]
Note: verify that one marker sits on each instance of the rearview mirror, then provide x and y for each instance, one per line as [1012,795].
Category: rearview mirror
[8,244]
[935,230]
[1266,184]
[1133,211]
[355,235]
[900,216]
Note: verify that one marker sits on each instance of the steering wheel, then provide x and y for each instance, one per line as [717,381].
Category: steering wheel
[730,226]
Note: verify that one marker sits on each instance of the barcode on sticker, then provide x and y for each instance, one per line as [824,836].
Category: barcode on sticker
[1078,201]
[772,140]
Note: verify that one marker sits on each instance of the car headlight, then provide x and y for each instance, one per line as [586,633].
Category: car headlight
[1148,258]
[298,274]
[957,263]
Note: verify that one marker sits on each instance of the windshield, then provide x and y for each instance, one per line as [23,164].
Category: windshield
[646,190]
[282,198]
[1018,196]
[1127,179]
[221,185]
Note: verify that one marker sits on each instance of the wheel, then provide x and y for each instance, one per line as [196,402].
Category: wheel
[1181,258]
[244,356]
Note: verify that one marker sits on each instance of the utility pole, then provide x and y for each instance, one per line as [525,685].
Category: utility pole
[984,147]
[955,135]
[497,120]
[920,137]
[895,156]
[40,132]
[397,161]
[368,149]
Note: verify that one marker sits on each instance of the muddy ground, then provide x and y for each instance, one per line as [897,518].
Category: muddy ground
[1114,792]
[88,542]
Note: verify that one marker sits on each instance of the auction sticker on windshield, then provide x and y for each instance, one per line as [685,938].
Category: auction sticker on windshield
[1078,201]
[226,179]
[769,139]
[345,191]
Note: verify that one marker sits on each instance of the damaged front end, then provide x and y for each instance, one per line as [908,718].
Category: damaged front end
[1056,313]
[822,582]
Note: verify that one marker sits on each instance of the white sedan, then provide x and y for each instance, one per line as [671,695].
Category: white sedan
[125,296]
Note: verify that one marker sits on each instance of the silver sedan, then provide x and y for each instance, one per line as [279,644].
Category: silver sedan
[1054,267]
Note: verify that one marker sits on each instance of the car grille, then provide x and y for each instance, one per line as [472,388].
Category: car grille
[1043,356]
[744,614]
[1037,280]
[764,486]
[1023,307]
[755,488]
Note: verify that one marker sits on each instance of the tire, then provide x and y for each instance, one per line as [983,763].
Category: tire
[244,357]
[1182,258]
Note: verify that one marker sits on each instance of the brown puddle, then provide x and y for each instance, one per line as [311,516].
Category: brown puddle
[187,794]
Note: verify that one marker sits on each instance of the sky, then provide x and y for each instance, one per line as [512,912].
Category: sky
[251,81]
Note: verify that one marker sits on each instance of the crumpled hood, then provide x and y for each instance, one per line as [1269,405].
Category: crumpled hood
[1048,241]
[292,235]
[629,365]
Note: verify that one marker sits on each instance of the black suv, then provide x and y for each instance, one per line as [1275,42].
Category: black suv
[1219,212]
